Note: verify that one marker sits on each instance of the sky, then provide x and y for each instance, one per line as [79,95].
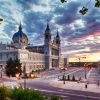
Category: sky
[78,33]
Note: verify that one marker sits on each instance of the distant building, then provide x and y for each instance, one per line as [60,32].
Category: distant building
[33,57]
[98,66]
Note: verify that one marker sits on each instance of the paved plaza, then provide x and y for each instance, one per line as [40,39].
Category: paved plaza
[49,83]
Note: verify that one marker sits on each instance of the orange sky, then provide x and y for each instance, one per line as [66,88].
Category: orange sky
[86,57]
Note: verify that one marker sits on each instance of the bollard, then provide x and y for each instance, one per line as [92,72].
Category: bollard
[98,83]
[85,85]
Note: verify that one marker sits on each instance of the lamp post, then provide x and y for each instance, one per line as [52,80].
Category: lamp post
[85,72]
[32,75]
[64,75]
[79,62]
[17,76]
[1,70]
[79,58]
[24,73]
[84,66]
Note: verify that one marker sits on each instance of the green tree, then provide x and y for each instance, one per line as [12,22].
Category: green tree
[9,67]
[13,67]
[18,65]
[84,9]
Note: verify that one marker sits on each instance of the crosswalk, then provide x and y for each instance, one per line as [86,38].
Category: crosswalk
[93,76]
[61,74]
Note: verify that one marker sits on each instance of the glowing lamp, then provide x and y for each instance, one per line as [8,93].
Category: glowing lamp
[17,76]
[32,75]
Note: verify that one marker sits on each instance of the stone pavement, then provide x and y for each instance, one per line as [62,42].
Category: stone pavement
[93,76]
[92,83]
[75,86]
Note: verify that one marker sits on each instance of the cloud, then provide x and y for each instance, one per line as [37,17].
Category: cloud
[77,32]
[27,4]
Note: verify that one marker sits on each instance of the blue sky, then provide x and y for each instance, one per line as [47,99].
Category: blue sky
[79,34]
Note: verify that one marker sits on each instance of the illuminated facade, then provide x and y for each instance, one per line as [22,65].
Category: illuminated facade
[34,57]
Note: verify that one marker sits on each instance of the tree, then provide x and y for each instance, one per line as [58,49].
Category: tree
[9,67]
[13,67]
[18,65]
[84,9]
[1,19]
[63,1]
[97,3]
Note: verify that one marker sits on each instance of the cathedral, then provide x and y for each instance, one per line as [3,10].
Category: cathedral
[33,57]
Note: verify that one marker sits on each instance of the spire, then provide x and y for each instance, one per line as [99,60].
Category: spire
[20,27]
[57,36]
[47,28]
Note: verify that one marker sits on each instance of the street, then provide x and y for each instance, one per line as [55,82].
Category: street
[43,84]
[48,83]
[65,93]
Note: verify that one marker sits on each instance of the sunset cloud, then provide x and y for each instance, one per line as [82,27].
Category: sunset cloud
[78,33]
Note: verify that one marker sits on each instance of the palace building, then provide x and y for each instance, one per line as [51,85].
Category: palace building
[33,57]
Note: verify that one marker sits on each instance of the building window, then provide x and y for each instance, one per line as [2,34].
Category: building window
[7,56]
[0,56]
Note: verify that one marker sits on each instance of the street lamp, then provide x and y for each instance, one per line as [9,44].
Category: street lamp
[32,75]
[84,66]
[64,77]
[24,73]
[1,70]
[79,58]
[85,70]
[17,76]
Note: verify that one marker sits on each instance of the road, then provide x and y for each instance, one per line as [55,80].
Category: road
[43,85]
[77,72]
[65,93]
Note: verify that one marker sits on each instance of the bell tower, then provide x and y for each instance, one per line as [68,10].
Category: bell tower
[58,46]
[47,35]
[47,47]
[58,39]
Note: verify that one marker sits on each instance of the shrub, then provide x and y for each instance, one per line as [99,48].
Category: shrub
[26,94]
[4,93]
[56,98]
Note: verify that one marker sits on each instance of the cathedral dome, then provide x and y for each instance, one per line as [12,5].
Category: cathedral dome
[20,37]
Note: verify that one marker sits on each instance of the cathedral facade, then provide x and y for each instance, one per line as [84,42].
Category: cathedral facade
[33,57]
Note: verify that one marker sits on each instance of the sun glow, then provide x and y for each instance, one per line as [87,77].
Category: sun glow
[86,57]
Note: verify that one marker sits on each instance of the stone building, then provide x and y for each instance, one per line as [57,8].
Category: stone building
[33,57]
